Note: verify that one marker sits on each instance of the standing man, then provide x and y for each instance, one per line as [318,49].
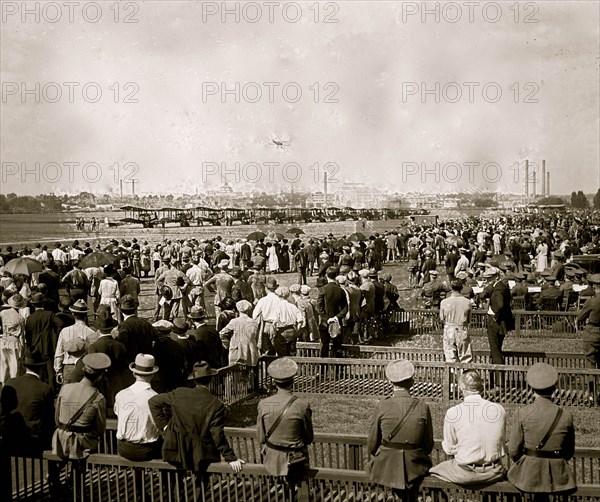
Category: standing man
[455,313]
[77,282]
[473,436]
[301,261]
[135,333]
[266,312]
[12,341]
[221,283]
[193,421]
[284,425]
[500,316]
[178,282]
[591,333]
[138,438]
[64,362]
[401,435]
[541,466]
[332,306]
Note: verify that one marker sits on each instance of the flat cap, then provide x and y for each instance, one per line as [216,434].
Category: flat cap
[75,346]
[163,326]
[462,275]
[399,370]
[282,369]
[295,288]
[520,275]
[594,278]
[491,272]
[97,361]
[243,306]
[542,376]
[305,289]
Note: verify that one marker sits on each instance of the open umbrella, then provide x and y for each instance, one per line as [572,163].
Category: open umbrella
[97,259]
[255,236]
[454,240]
[23,266]
[357,236]
[295,230]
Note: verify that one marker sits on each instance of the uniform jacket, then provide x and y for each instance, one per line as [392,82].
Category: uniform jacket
[400,468]
[209,347]
[295,430]
[137,336]
[71,444]
[500,304]
[118,376]
[198,419]
[533,474]
[36,404]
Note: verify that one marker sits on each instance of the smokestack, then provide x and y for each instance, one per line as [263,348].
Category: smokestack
[548,183]
[527,178]
[121,188]
[133,188]
[543,177]
[325,188]
[533,182]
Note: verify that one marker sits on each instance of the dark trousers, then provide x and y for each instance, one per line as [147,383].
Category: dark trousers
[495,339]
[591,346]
[139,452]
[336,343]
[302,276]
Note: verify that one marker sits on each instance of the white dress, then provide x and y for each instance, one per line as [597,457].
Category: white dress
[272,260]
[542,257]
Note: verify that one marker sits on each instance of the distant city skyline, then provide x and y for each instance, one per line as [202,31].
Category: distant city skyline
[399,101]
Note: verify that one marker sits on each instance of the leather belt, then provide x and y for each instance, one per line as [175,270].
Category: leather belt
[543,453]
[286,327]
[279,447]
[400,446]
[472,467]
[75,428]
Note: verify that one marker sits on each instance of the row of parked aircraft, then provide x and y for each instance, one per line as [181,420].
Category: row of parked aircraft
[150,218]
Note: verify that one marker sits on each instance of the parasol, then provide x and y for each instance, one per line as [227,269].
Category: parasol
[295,230]
[256,236]
[23,266]
[357,236]
[97,259]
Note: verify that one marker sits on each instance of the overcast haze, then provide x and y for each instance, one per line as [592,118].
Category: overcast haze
[369,133]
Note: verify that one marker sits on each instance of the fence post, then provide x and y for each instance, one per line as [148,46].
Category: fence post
[518,324]
[353,457]
[303,491]
[446,386]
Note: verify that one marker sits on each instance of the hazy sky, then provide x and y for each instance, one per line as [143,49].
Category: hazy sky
[361,106]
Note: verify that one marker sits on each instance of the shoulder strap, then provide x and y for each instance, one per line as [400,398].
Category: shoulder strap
[80,411]
[280,417]
[550,430]
[403,421]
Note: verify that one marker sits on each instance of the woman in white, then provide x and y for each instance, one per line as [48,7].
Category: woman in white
[272,260]
[241,336]
[109,291]
[12,341]
[542,256]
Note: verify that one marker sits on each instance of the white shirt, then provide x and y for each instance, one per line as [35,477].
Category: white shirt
[59,255]
[194,274]
[474,431]
[79,329]
[268,306]
[288,315]
[135,423]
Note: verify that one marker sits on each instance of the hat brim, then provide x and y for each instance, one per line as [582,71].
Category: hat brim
[210,372]
[139,372]
[78,311]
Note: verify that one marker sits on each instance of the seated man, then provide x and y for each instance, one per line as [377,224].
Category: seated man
[474,436]
[138,439]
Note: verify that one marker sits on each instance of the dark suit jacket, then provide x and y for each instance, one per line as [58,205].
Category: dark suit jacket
[394,467]
[500,303]
[118,376]
[171,362]
[332,302]
[41,332]
[198,418]
[209,346]
[241,290]
[137,336]
[36,404]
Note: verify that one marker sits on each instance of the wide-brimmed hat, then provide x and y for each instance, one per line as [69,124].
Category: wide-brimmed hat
[33,358]
[372,272]
[144,365]
[594,278]
[282,370]
[236,272]
[399,370]
[127,302]
[491,272]
[202,370]
[105,322]
[37,299]
[180,327]
[17,301]
[79,307]
[197,313]
[542,376]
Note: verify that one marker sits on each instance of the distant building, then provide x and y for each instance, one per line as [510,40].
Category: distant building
[225,195]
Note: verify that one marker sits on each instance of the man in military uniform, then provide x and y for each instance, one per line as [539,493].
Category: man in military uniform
[549,294]
[284,425]
[81,411]
[591,332]
[401,435]
[432,290]
[542,468]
